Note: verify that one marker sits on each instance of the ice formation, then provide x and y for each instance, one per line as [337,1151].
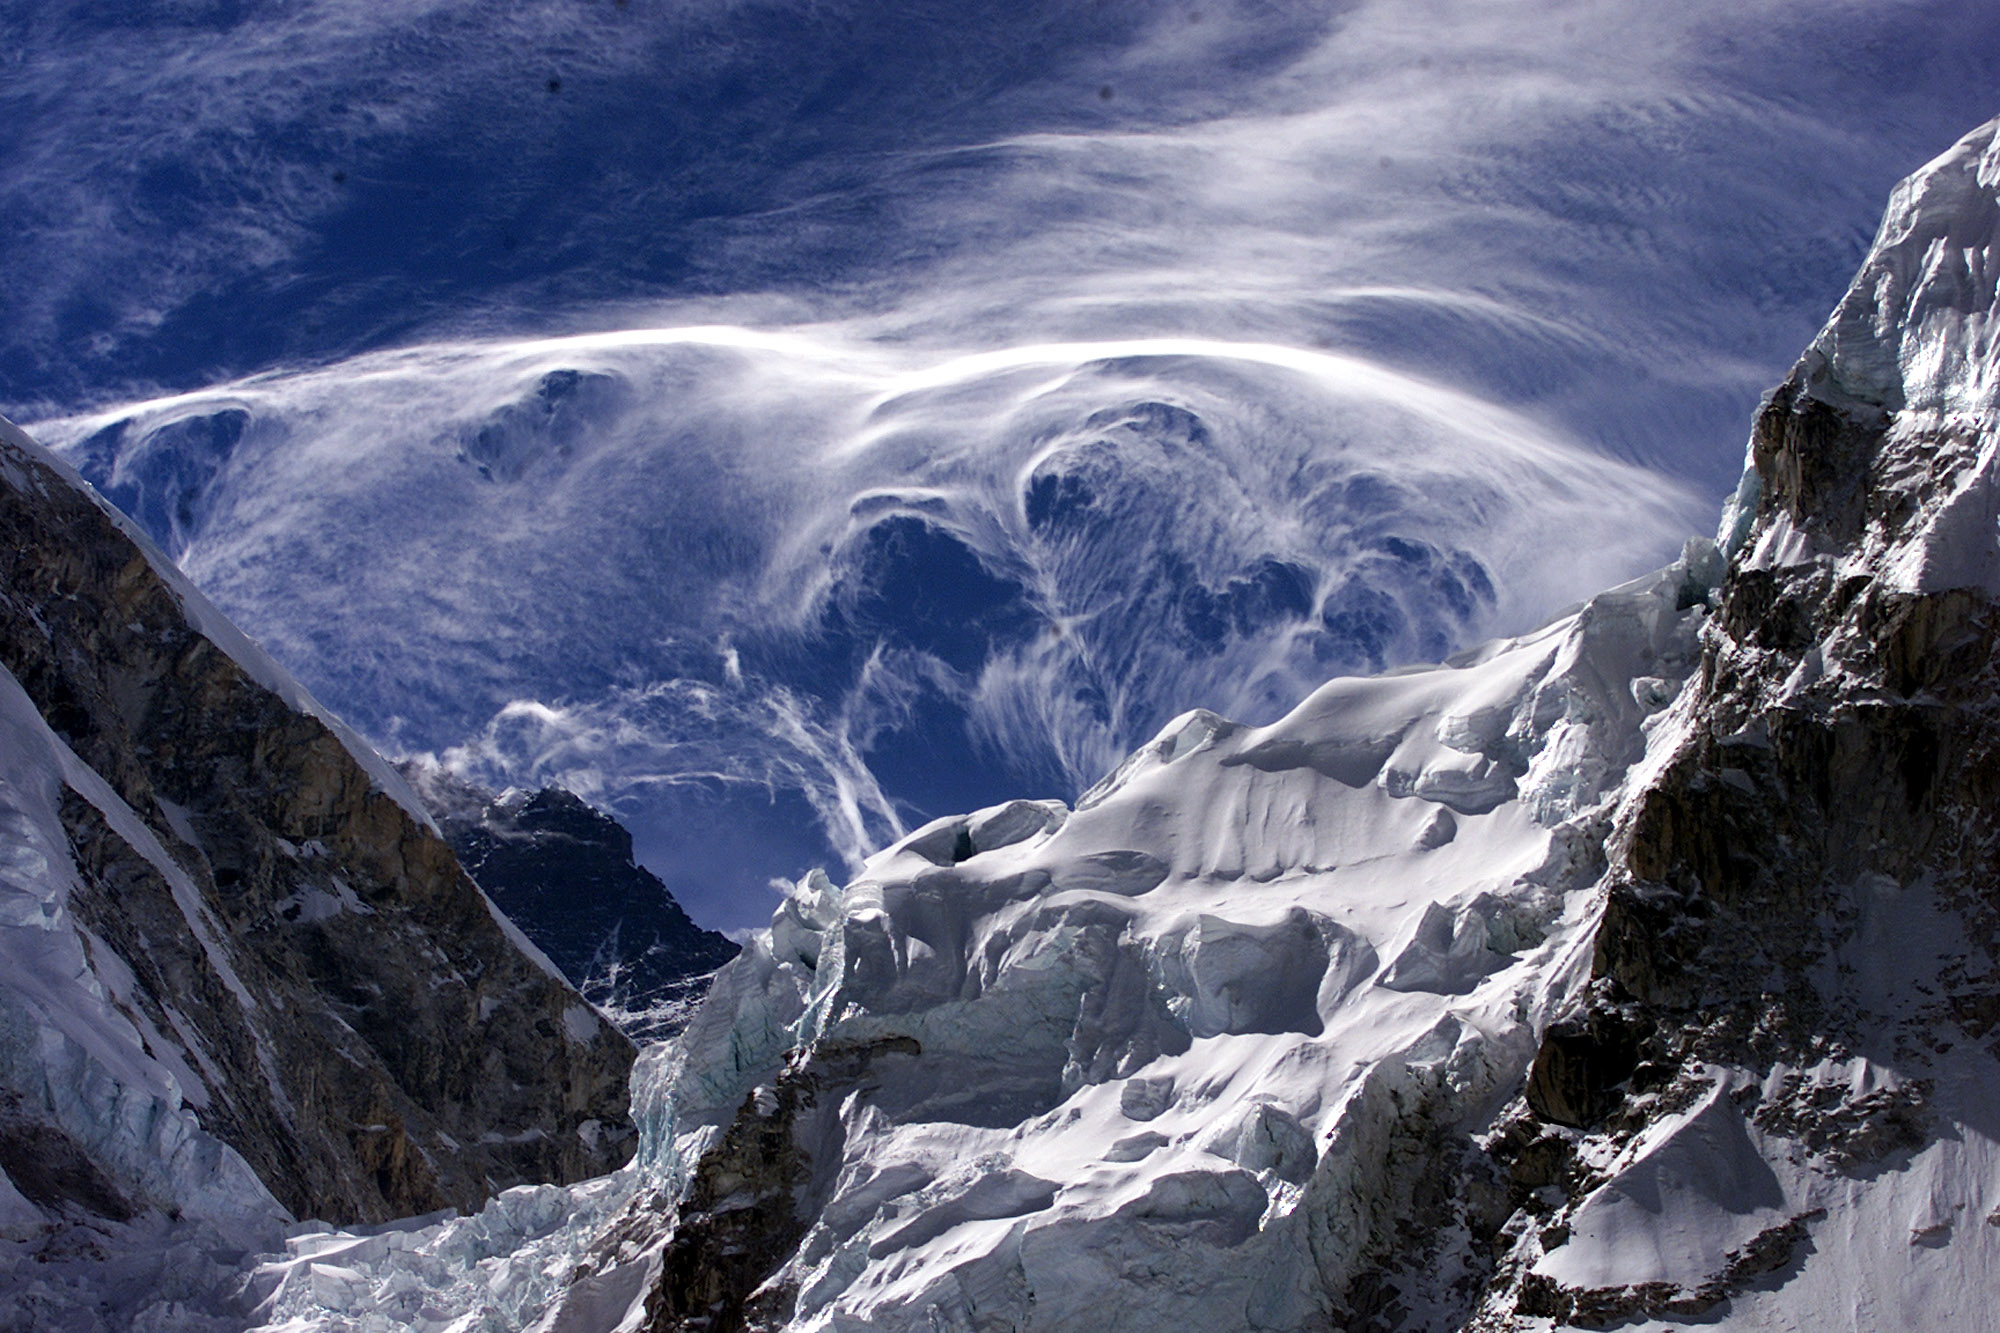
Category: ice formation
[1642,966]
[1188,1028]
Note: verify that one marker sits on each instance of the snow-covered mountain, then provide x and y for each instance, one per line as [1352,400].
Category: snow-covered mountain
[243,980]
[1639,967]
[1776,1090]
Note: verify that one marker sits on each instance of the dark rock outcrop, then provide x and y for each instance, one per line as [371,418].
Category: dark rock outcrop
[1584,1059]
[564,872]
[1802,899]
[752,1195]
[369,1036]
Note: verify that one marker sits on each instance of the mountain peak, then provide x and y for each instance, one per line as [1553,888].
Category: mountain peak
[1919,328]
[563,871]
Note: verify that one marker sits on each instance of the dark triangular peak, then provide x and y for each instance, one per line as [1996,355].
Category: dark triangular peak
[564,872]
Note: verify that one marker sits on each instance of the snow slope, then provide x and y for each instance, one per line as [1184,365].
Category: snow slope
[1174,1041]
[1168,1044]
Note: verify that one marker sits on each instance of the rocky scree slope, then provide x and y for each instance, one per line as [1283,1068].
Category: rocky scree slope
[231,936]
[564,873]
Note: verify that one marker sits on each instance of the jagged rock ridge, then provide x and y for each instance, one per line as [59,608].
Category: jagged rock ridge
[1793,994]
[564,873]
[232,935]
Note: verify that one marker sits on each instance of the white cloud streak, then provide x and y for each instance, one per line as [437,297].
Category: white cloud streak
[1438,282]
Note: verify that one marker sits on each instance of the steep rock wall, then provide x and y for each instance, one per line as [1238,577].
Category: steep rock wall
[264,900]
[1794,967]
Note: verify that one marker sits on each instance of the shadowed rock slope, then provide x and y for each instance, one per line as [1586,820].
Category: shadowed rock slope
[563,872]
[263,912]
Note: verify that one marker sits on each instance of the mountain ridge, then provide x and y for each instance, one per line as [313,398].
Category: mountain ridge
[242,966]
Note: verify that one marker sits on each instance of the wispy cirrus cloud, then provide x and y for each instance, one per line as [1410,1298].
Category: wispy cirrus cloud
[797,589]
[782,422]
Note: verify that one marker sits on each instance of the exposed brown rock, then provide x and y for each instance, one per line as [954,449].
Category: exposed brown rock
[383,1049]
[1583,1058]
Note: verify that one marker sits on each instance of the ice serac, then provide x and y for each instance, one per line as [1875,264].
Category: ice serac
[240,972]
[564,873]
[1772,1104]
[1202,1051]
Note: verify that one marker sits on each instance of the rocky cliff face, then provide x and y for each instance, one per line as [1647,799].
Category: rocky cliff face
[564,873]
[1773,1093]
[270,950]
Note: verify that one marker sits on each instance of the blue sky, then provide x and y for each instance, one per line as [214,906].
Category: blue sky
[786,422]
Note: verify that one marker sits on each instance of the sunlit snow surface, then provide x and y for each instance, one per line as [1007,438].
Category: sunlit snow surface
[954,395]
[1175,1030]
